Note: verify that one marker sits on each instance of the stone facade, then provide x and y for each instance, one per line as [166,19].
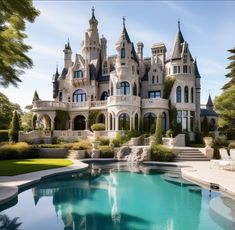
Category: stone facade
[125,87]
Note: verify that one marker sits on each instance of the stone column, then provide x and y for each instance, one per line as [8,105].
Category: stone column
[87,122]
[116,122]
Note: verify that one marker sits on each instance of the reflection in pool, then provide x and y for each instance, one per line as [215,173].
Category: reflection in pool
[109,196]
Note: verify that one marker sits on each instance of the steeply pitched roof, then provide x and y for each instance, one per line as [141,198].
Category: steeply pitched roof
[56,75]
[176,49]
[126,36]
[92,70]
[133,54]
[209,103]
[63,74]
[196,72]
[208,112]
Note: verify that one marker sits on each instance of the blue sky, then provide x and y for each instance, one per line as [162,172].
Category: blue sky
[207,26]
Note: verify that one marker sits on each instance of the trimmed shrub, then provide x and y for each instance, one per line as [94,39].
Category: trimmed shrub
[231,145]
[161,153]
[19,150]
[103,140]
[106,151]
[133,133]
[4,135]
[217,144]
[116,142]
[98,127]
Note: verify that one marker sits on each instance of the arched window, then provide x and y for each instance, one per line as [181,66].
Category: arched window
[153,79]
[136,121]
[123,55]
[134,89]
[192,95]
[101,118]
[124,121]
[79,96]
[125,88]
[104,96]
[186,94]
[149,121]
[79,122]
[178,94]
[157,80]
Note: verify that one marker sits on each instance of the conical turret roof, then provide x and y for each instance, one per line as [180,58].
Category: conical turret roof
[196,72]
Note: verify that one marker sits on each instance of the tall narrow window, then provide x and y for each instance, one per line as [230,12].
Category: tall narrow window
[185,69]
[186,94]
[153,79]
[111,91]
[125,88]
[124,121]
[175,69]
[123,53]
[136,121]
[60,96]
[134,90]
[78,74]
[192,95]
[178,94]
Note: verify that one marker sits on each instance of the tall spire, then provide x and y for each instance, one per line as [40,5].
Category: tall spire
[123,21]
[176,49]
[93,12]
[209,104]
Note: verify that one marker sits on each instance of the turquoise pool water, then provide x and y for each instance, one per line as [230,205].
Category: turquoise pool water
[109,197]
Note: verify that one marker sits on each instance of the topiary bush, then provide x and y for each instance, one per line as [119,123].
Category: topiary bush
[116,142]
[82,145]
[158,131]
[170,133]
[98,127]
[103,140]
[106,151]
[4,135]
[133,133]
[162,153]
[19,150]
[14,128]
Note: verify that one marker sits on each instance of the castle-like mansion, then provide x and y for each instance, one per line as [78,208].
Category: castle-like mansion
[125,87]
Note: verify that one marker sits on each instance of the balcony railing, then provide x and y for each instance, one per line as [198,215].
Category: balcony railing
[52,105]
[124,100]
[154,103]
[49,105]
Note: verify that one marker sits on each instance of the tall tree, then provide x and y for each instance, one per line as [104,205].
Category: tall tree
[14,128]
[6,110]
[13,58]
[224,104]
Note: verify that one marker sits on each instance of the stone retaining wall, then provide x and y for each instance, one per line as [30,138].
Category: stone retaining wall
[52,152]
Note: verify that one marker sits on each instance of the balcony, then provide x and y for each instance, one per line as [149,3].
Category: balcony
[124,100]
[49,105]
[58,105]
[159,103]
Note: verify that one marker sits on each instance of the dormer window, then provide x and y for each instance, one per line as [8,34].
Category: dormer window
[78,74]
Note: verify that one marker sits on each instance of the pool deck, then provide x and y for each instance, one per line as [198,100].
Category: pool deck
[198,172]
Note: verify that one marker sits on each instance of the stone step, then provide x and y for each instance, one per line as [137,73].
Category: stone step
[191,159]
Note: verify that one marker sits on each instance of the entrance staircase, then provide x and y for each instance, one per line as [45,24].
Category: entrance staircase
[191,155]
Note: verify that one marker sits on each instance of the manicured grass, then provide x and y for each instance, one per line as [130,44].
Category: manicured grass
[15,167]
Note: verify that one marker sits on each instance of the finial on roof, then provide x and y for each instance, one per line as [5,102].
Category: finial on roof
[123,21]
[93,12]
[178,23]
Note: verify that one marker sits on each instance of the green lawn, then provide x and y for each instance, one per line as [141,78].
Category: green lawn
[15,167]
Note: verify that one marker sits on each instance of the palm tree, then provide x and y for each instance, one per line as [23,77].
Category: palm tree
[7,224]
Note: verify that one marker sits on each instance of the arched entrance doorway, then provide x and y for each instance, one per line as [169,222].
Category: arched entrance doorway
[79,122]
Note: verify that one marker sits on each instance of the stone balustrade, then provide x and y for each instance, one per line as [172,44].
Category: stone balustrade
[154,103]
[49,105]
[124,100]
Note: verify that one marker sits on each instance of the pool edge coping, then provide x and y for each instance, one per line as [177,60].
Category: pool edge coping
[11,191]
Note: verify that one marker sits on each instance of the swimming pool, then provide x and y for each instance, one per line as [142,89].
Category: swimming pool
[110,196]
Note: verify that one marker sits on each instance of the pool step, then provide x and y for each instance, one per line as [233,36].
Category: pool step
[191,155]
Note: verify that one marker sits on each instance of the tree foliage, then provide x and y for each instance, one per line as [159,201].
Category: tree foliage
[27,121]
[6,110]
[168,84]
[13,58]
[7,223]
[158,131]
[14,128]
[224,103]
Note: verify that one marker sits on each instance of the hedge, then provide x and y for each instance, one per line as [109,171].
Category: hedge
[98,127]
[161,153]
[19,150]
[106,151]
[103,140]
